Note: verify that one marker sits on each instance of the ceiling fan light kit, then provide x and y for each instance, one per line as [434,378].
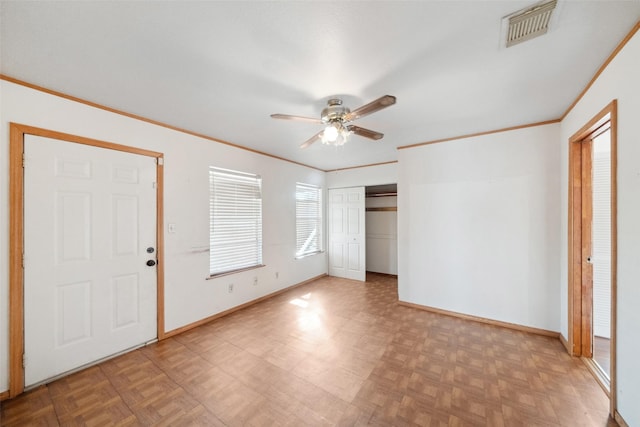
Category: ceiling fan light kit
[335,134]
[336,116]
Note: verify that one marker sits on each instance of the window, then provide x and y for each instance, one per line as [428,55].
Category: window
[308,219]
[235,221]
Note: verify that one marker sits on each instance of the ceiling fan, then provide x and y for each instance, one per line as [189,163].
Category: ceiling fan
[336,118]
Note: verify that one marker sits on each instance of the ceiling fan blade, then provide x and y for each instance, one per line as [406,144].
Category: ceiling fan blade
[311,140]
[367,133]
[298,118]
[371,107]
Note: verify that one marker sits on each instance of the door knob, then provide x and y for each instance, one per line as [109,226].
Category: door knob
[151,263]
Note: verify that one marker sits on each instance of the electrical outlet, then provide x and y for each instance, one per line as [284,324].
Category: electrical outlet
[230,287]
[255,281]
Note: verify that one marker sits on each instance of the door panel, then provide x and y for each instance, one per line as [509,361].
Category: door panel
[336,218]
[89,215]
[126,301]
[125,225]
[73,301]
[354,221]
[587,250]
[73,227]
[347,233]
[337,257]
[354,257]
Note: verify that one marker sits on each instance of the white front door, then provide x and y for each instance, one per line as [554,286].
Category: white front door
[347,233]
[89,231]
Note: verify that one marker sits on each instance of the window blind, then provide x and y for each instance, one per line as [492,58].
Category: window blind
[235,220]
[308,219]
[601,234]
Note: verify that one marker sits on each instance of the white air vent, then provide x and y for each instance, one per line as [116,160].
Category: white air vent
[529,23]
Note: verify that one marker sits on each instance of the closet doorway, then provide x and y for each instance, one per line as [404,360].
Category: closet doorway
[381,204]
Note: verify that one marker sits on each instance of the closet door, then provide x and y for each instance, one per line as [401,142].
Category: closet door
[347,233]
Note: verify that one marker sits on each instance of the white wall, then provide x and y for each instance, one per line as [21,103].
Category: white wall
[382,235]
[188,296]
[618,81]
[479,225]
[364,176]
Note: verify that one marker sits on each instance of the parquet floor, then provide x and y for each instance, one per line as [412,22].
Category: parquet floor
[332,352]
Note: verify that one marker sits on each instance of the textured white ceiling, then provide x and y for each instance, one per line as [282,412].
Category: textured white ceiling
[221,68]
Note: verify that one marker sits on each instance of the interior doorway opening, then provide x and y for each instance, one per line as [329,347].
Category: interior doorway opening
[592,247]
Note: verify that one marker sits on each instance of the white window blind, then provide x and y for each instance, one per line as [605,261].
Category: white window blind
[601,234]
[308,219]
[235,220]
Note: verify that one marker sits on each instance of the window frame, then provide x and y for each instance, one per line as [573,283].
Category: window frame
[302,188]
[235,197]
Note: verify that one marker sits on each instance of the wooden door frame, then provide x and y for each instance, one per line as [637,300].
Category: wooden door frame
[576,298]
[16,237]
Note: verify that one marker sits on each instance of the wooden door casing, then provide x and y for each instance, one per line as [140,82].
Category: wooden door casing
[16,238]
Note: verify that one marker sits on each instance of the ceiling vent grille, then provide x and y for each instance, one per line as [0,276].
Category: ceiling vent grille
[529,23]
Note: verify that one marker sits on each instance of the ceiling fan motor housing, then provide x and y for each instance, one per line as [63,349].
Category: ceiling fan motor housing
[334,112]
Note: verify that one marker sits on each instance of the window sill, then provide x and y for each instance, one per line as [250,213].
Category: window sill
[227,273]
[310,254]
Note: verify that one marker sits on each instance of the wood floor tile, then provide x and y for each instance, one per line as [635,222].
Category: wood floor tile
[198,416]
[263,377]
[78,382]
[112,412]
[221,353]
[339,382]
[358,363]
[270,414]
[207,384]
[285,356]
[77,402]
[200,339]
[168,353]
[32,408]
[331,352]
[354,416]
[308,401]
[235,404]
[256,344]
[170,406]
[186,371]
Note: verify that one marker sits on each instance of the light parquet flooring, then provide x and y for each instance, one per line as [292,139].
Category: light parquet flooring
[332,352]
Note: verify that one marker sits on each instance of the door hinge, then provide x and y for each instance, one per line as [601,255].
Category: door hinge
[23,260]
[160,160]
[23,161]
[24,360]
